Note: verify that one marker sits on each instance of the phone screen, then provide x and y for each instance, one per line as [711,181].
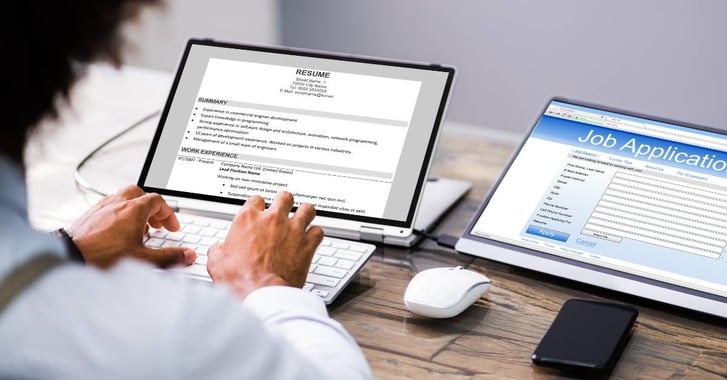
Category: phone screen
[586,334]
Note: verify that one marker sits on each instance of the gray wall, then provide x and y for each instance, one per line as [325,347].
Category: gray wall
[158,39]
[661,57]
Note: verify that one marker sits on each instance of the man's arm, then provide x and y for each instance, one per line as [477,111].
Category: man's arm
[303,322]
[131,322]
[263,260]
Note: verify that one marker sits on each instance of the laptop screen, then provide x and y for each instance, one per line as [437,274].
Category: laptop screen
[617,194]
[352,136]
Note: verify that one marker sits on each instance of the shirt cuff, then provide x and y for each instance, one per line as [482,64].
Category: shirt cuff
[270,301]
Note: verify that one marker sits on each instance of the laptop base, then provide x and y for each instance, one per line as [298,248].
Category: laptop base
[438,197]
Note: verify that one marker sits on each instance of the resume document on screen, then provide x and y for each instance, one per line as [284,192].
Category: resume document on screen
[349,136]
[334,138]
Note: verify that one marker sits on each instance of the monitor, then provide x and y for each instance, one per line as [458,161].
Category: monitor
[625,201]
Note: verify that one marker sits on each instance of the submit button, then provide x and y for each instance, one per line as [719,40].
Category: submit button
[547,233]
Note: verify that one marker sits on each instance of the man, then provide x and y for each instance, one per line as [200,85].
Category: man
[114,317]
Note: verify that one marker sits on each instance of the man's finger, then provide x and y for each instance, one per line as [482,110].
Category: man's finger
[167,257]
[282,203]
[158,212]
[314,237]
[255,202]
[304,214]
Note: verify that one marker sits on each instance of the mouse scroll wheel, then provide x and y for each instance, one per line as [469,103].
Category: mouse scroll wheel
[459,267]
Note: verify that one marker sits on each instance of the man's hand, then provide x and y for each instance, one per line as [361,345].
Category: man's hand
[266,247]
[115,228]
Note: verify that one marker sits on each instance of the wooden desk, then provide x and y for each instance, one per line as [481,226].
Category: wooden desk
[493,339]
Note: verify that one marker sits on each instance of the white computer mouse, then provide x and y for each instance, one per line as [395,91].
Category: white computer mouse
[444,292]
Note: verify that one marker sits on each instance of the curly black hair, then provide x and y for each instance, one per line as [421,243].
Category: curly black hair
[47,45]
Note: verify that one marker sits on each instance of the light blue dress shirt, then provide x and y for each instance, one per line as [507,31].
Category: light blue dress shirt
[130,322]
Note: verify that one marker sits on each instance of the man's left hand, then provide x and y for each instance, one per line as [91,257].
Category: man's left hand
[115,228]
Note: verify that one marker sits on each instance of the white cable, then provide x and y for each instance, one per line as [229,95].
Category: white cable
[81,182]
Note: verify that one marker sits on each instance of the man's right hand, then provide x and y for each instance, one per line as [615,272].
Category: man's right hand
[266,247]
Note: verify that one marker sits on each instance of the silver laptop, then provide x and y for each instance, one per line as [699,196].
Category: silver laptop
[352,136]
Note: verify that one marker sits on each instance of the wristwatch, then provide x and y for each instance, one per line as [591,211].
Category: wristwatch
[71,247]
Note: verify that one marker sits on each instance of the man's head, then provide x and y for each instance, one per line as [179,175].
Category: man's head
[47,44]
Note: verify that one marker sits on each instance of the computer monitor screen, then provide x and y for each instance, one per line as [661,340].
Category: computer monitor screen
[616,199]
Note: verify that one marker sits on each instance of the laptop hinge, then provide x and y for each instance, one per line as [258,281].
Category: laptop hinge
[173,204]
[372,234]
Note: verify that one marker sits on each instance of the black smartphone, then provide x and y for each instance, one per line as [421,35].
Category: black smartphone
[586,335]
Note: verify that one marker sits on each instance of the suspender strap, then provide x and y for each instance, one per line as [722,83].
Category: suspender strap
[25,275]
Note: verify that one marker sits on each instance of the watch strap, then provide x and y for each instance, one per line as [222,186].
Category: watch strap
[71,248]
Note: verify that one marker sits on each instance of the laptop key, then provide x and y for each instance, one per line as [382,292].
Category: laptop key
[159,234]
[331,272]
[154,243]
[171,243]
[208,241]
[340,244]
[182,218]
[208,232]
[195,269]
[357,248]
[176,236]
[327,261]
[192,239]
[345,264]
[191,229]
[325,251]
[201,222]
[348,255]
[322,280]
[220,225]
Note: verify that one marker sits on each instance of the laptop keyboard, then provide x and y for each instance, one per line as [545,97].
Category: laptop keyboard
[335,262]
